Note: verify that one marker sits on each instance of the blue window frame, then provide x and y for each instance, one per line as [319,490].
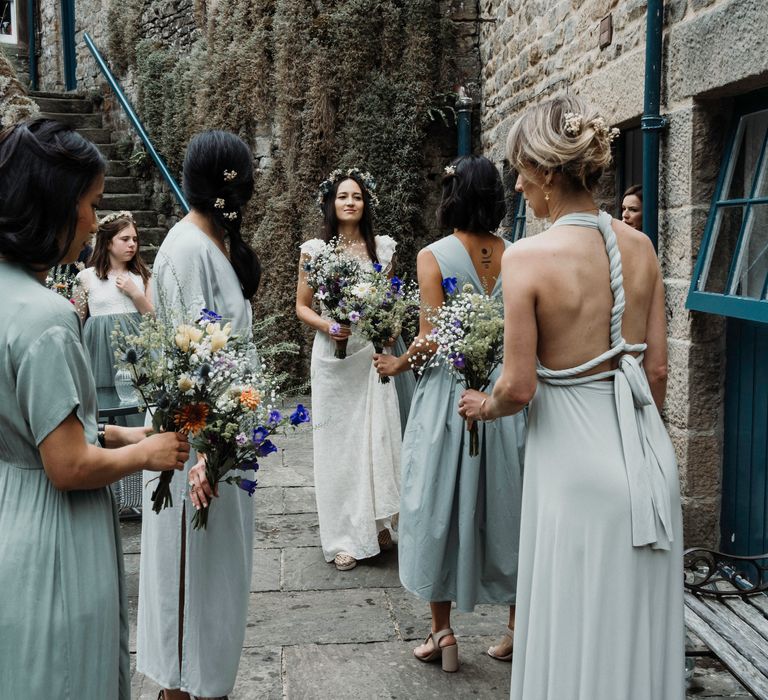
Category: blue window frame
[513,225]
[731,273]
[517,228]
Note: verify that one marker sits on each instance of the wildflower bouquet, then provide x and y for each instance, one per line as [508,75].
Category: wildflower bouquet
[329,272]
[64,284]
[381,307]
[469,337]
[198,379]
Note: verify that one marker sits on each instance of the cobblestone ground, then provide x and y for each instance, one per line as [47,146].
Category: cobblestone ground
[314,632]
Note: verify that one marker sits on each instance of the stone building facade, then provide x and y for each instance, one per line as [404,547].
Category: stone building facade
[713,52]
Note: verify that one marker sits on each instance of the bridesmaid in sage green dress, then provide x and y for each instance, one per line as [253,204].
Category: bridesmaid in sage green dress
[459,515]
[600,591]
[63,620]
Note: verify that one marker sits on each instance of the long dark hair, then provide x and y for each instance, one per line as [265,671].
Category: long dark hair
[99,259]
[473,196]
[218,182]
[331,222]
[45,169]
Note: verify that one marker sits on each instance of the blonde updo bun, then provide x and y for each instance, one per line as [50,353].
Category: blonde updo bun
[563,135]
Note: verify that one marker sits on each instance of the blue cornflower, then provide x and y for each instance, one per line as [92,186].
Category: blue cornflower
[450,284]
[275,417]
[259,435]
[377,267]
[247,485]
[210,316]
[458,361]
[245,466]
[266,448]
[396,283]
[300,415]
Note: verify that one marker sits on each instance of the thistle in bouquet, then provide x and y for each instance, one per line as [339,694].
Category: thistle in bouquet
[381,307]
[329,272]
[468,332]
[177,369]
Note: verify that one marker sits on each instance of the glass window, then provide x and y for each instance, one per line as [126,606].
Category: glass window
[8,29]
[731,275]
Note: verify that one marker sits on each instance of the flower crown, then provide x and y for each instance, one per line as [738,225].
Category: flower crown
[115,215]
[574,122]
[326,186]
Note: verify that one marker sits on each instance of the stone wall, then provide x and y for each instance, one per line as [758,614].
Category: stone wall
[537,48]
[50,64]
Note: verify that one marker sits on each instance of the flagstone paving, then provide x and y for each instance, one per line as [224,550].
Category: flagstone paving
[317,633]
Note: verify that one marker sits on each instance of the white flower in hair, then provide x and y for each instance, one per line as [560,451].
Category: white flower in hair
[219,203]
[230,175]
[230,215]
[450,169]
[573,122]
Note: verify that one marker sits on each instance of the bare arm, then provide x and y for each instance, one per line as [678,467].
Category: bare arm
[72,464]
[432,297]
[305,312]
[655,360]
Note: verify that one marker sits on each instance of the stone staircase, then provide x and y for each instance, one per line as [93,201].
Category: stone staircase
[121,190]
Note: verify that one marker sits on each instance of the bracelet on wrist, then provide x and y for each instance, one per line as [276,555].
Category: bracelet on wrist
[480,412]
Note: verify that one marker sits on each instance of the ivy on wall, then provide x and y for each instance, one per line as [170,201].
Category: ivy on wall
[332,84]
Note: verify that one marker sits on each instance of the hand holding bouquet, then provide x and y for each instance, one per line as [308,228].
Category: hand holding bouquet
[469,335]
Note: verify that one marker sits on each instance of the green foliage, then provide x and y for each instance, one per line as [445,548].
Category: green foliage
[334,84]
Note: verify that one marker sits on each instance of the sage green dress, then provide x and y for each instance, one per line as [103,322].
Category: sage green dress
[459,515]
[600,590]
[63,614]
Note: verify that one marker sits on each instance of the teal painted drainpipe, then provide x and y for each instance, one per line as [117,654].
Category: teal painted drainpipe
[464,122]
[652,122]
[32,44]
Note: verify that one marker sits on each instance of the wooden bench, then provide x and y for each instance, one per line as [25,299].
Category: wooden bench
[726,607]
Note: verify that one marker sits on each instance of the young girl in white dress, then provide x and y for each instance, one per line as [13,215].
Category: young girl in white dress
[112,290]
[356,418]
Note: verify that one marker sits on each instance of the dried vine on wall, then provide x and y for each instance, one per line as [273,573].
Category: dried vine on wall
[334,85]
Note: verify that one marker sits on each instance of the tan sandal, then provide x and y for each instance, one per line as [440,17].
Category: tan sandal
[502,657]
[344,561]
[385,540]
[448,655]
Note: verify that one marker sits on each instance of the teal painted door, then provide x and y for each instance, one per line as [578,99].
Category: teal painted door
[744,521]
[68,43]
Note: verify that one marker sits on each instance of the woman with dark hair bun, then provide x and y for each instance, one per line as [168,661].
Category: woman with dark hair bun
[64,620]
[459,514]
[193,590]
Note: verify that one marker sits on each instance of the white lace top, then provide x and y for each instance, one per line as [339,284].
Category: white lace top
[104,297]
[385,249]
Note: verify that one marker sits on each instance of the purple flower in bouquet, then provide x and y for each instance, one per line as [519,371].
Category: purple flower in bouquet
[396,283]
[245,466]
[335,328]
[450,284]
[259,435]
[456,323]
[241,439]
[209,316]
[377,267]
[266,448]
[457,360]
[354,316]
[247,485]
[300,415]
[275,417]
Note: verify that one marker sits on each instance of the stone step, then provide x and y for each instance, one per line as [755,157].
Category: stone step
[57,95]
[120,185]
[145,219]
[108,150]
[63,105]
[97,136]
[119,202]
[78,120]
[151,235]
[117,168]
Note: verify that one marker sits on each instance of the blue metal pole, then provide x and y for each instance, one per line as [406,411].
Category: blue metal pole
[134,119]
[652,122]
[32,44]
[464,122]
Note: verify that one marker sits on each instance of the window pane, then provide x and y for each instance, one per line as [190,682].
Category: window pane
[752,263]
[5,18]
[747,148]
[725,235]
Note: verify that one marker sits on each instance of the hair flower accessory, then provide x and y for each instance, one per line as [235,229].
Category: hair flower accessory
[573,123]
[601,127]
[114,216]
[230,175]
[230,215]
[326,186]
[219,203]
[450,169]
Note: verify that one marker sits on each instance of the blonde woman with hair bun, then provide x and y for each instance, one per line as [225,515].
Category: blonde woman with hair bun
[599,597]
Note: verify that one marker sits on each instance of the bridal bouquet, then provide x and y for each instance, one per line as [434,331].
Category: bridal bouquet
[198,379]
[329,272]
[381,307]
[469,337]
[65,285]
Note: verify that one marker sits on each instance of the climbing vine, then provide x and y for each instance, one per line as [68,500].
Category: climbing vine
[311,86]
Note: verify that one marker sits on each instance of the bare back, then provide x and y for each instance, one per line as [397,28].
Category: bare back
[573,293]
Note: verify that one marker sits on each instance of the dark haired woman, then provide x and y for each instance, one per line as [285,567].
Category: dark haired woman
[459,515]
[194,586]
[356,418]
[64,618]
[632,207]
[113,289]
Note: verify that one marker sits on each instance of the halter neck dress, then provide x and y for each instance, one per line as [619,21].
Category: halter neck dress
[600,595]
[459,515]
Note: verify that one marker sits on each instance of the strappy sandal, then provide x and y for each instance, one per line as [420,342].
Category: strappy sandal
[502,657]
[385,540]
[448,655]
[344,561]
